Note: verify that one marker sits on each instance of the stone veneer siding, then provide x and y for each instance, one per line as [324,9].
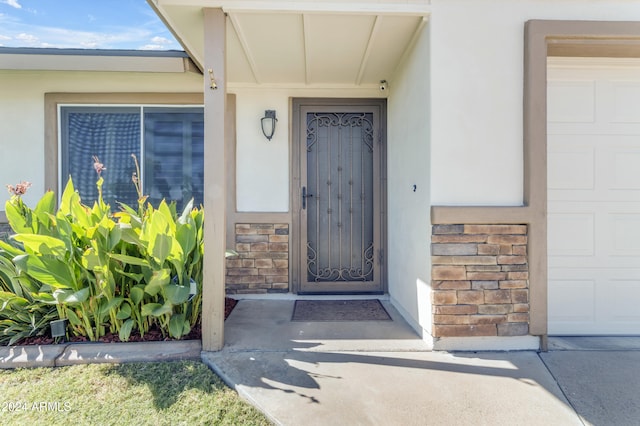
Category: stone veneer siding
[263,262]
[480,280]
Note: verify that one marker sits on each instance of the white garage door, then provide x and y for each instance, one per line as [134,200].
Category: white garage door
[594,196]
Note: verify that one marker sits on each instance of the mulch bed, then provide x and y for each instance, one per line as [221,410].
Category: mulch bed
[153,335]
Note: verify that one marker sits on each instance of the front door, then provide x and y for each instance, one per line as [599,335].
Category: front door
[339,186]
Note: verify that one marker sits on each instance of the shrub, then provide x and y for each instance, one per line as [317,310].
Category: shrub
[103,271]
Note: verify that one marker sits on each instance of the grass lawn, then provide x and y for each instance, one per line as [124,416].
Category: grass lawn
[162,393]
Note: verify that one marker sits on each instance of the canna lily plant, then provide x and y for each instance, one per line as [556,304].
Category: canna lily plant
[108,271]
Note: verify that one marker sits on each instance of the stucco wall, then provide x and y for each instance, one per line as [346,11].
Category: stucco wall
[22,113]
[409,165]
[263,174]
[477,92]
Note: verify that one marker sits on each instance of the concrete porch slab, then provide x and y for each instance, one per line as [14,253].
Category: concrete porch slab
[371,373]
[266,325]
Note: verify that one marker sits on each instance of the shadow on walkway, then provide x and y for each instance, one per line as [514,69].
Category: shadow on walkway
[372,373]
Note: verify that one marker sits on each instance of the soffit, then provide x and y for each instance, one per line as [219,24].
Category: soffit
[303,43]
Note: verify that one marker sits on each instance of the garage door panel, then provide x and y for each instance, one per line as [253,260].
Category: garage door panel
[625,108]
[579,176]
[593,194]
[571,234]
[571,302]
[620,303]
[624,237]
[623,165]
[563,108]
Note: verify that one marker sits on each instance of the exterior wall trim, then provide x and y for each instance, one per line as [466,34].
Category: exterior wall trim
[543,38]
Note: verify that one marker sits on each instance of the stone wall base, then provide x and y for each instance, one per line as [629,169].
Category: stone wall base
[263,262]
[480,280]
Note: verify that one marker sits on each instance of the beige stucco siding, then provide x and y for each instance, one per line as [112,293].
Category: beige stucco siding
[22,112]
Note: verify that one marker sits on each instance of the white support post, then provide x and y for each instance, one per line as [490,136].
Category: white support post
[215,94]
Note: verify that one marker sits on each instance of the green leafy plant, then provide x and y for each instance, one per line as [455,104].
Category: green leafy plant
[109,272]
[22,315]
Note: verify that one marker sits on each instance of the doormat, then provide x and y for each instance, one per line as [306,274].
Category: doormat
[339,310]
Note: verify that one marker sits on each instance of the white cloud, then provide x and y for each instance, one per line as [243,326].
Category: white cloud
[152,47]
[160,40]
[28,38]
[12,3]
[16,32]
[89,44]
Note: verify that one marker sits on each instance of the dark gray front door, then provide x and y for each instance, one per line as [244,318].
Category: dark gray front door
[340,197]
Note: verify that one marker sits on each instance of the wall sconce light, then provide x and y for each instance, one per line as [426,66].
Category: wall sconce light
[268,123]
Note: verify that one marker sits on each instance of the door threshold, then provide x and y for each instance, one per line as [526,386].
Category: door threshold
[294,296]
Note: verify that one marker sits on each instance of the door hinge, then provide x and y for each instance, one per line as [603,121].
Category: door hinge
[380,256]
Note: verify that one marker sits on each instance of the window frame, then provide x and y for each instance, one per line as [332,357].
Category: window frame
[54,101]
[141,111]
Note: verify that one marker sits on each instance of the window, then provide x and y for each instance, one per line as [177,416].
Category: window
[168,142]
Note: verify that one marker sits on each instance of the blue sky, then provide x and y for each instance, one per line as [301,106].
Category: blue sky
[88,24]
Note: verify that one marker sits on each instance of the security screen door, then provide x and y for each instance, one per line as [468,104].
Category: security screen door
[339,198]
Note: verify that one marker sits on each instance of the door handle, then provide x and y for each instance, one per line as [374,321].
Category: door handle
[304,197]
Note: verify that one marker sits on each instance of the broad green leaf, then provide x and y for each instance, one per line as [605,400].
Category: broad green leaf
[42,244]
[137,294]
[186,237]
[135,277]
[155,309]
[115,235]
[9,249]
[90,260]
[168,215]
[160,247]
[158,233]
[81,214]
[124,312]
[44,298]
[176,253]
[177,294]
[125,330]
[148,308]
[47,204]
[9,276]
[67,198]
[43,215]
[129,235]
[70,296]
[16,220]
[65,231]
[111,304]
[10,299]
[48,270]
[72,317]
[130,260]
[158,280]
[177,325]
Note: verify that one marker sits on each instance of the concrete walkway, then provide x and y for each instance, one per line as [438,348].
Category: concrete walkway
[380,373]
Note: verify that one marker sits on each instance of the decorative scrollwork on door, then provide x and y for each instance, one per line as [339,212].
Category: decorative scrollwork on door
[340,212]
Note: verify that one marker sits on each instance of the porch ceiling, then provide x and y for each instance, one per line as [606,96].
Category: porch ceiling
[302,43]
